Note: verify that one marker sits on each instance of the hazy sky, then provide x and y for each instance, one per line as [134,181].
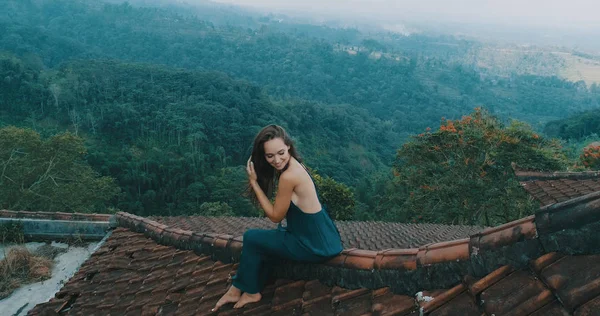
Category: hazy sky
[574,14]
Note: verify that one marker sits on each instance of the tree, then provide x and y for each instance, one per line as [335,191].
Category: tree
[590,158]
[49,175]
[462,174]
[337,198]
[215,209]
[227,186]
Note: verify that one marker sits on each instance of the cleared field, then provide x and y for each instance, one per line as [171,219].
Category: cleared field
[540,62]
[579,68]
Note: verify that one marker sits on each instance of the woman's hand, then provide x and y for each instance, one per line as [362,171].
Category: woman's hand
[252,177]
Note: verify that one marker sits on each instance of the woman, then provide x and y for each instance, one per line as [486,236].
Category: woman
[310,235]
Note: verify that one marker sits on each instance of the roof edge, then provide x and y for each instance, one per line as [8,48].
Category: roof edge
[568,228]
[350,258]
[569,214]
[552,208]
[92,217]
[430,266]
[524,175]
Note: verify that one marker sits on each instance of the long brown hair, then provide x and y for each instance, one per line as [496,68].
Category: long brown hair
[266,175]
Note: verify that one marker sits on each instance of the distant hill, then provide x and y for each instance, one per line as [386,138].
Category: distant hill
[411,92]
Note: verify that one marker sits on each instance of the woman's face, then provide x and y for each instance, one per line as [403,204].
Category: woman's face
[277,153]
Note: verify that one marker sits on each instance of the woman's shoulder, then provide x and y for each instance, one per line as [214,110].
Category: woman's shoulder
[292,173]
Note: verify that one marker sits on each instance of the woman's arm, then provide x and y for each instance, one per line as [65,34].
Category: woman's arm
[276,212]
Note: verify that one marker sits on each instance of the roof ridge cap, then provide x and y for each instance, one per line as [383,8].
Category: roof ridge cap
[336,221]
[525,175]
[516,243]
[571,202]
[438,252]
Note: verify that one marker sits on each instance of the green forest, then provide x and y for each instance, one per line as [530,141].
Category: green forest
[157,108]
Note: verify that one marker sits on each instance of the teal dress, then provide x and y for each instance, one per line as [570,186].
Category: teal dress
[308,237]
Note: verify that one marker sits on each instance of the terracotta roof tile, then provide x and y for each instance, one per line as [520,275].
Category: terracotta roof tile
[552,309]
[360,259]
[542,264]
[316,299]
[554,187]
[549,192]
[463,305]
[131,274]
[361,235]
[183,283]
[591,308]
[575,280]
[397,259]
[544,261]
[353,302]
[443,298]
[506,234]
[490,279]
[385,302]
[455,250]
[519,291]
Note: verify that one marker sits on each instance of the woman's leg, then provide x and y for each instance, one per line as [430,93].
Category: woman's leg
[260,249]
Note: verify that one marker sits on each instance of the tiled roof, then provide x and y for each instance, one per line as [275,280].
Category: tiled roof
[553,187]
[546,264]
[355,234]
[133,275]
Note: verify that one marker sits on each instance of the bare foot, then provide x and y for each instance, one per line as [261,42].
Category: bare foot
[247,298]
[232,296]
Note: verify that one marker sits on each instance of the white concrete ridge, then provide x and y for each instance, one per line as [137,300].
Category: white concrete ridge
[48,229]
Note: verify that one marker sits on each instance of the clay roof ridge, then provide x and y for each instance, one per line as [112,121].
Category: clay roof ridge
[453,250]
[570,203]
[568,227]
[525,175]
[360,259]
[336,221]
